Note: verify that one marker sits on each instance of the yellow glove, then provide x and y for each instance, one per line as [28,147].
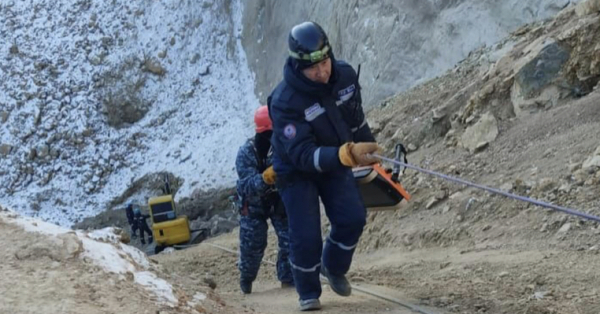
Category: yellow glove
[358,154]
[269,176]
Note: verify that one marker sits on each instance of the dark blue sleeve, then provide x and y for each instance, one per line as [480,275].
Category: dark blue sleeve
[364,134]
[297,138]
[250,182]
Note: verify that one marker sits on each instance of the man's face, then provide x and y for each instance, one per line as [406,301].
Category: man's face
[319,72]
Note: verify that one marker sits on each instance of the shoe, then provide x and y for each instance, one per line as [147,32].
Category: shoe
[285,285]
[339,284]
[310,305]
[246,286]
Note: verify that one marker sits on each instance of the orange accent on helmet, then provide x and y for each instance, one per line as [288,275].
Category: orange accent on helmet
[262,120]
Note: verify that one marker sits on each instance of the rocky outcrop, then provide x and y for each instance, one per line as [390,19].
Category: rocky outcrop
[69,268]
[539,67]
[479,135]
[592,162]
[398,43]
[218,224]
[97,95]
[588,7]
[532,87]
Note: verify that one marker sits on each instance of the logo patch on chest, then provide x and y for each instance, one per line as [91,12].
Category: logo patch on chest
[347,93]
[313,112]
[289,131]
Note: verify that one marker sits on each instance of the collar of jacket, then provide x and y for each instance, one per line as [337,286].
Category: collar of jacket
[301,83]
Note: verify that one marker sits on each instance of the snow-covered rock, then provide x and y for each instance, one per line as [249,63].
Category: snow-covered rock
[96,94]
[101,247]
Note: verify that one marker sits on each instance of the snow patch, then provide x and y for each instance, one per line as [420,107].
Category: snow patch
[104,235]
[160,287]
[36,225]
[197,299]
[103,248]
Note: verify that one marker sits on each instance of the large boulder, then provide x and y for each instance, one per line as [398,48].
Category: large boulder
[59,248]
[481,133]
[592,161]
[533,85]
[217,224]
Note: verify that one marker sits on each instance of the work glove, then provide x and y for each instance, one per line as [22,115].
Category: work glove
[358,154]
[269,176]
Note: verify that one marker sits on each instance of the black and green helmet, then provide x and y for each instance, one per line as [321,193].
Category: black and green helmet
[308,44]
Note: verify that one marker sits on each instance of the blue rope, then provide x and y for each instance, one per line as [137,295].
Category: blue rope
[493,190]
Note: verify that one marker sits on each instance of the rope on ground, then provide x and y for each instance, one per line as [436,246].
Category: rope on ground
[222,248]
[493,190]
[407,305]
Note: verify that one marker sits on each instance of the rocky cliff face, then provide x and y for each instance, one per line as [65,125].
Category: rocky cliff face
[96,95]
[398,43]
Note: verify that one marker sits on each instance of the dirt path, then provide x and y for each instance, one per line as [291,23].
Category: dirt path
[269,298]
[206,263]
[490,277]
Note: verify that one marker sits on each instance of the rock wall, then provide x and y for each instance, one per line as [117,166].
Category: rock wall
[95,95]
[398,43]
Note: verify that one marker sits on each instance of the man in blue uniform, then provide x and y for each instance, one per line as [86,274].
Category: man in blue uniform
[258,202]
[319,134]
[131,220]
[142,225]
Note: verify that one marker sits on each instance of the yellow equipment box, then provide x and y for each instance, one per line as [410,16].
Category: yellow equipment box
[172,232]
[168,229]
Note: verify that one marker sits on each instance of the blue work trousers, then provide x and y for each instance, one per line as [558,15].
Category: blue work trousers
[346,212]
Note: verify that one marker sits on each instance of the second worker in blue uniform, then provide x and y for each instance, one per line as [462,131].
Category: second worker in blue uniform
[259,202]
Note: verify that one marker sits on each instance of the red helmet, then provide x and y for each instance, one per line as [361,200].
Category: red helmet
[262,120]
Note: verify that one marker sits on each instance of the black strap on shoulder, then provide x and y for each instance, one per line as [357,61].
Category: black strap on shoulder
[259,161]
[358,95]
[269,106]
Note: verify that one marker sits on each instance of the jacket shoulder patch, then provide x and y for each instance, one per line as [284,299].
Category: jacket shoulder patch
[347,93]
[313,112]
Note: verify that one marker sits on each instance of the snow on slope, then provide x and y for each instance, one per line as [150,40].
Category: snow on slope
[104,249]
[59,159]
